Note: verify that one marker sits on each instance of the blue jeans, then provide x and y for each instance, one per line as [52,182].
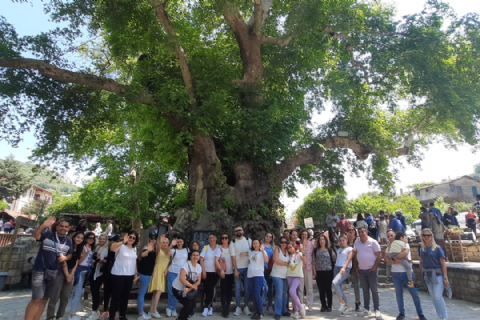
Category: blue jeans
[281,294]
[77,290]
[338,280]
[142,290]
[238,288]
[255,285]
[436,292]
[172,301]
[400,279]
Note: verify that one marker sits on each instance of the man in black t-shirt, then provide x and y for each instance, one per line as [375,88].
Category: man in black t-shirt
[56,248]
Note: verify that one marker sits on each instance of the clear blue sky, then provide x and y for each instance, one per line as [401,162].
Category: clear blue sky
[438,163]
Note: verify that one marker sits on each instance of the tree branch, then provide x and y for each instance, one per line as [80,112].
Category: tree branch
[276,41]
[162,16]
[260,14]
[67,76]
[314,154]
[359,64]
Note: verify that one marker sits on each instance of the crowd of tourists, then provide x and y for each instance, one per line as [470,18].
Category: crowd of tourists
[271,272]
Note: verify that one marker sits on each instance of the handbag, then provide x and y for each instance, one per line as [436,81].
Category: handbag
[223,264]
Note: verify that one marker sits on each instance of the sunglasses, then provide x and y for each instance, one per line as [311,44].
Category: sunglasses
[283,242]
[132,238]
[426,235]
[238,230]
[351,230]
[91,238]
[224,238]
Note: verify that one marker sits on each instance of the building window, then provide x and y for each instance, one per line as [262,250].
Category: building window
[459,190]
[452,187]
[474,191]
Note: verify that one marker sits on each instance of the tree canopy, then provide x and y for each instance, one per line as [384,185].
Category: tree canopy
[220,94]
[13,180]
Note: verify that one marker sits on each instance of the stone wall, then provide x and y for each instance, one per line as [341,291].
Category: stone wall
[473,251]
[24,249]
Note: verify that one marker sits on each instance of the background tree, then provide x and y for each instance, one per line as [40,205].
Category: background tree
[3,205]
[318,204]
[368,202]
[36,207]
[221,93]
[13,181]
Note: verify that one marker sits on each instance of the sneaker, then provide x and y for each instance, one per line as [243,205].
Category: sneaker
[342,307]
[286,314]
[277,317]
[75,318]
[210,311]
[422,317]
[378,315]
[93,316]
[364,313]
[169,312]
[155,315]
[174,314]
[295,315]
[254,316]
[104,315]
[309,308]
[238,312]
[144,316]
[401,316]
[205,312]
[246,311]
[357,306]
[302,312]
[329,309]
[347,310]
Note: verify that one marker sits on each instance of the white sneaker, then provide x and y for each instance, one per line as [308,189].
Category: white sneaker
[169,312]
[210,311]
[378,315]
[75,318]
[174,314]
[309,308]
[155,315]
[246,311]
[205,312]
[342,307]
[144,316]
[302,311]
[347,310]
[364,313]
[295,315]
[238,311]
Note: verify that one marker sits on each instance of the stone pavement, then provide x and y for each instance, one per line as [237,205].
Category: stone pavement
[13,304]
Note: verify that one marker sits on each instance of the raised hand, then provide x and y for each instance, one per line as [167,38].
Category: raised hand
[125,238]
[49,222]
[150,247]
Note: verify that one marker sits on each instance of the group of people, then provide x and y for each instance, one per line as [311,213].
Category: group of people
[270,272]
[7,226]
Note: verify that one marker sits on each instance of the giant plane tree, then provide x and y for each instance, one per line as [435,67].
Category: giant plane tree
[229,97]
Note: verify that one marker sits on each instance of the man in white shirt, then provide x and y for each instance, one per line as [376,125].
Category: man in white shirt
[239,248]
[109,229]
[368,255]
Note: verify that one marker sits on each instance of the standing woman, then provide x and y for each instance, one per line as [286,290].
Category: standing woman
[69,268]
[210,265]
[360,223]
[158,281]
[308,270]
[343,265]
[294,273]
[96,279]
[227,277]
[324,258]
[81,274]
[434,271]
[294,238]
[145,266]
[269,246]
[194,246]
[179,256]
[279,278]
[107,276]
[257,257]
[352,236]
[188,280]
[124,272]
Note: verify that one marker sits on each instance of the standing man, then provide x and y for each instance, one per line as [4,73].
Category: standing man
[82,226]
[395,224]
[7,227]
[438,228]
[436,211]
[239,248]
[109,229]
[47,276]
[343,224]
[368,256]
[401,218]
[331,222]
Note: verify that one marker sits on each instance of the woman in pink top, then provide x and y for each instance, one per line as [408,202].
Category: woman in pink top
[307,280]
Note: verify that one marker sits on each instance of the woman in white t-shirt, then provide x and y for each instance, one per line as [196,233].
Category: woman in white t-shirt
[279,278]
[343,265]
[257,257]
[179,256]
[181,286]
[227,278]
[294,274]
[124,273]
[210,265]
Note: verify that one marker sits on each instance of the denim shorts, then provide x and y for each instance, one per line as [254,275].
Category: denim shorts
[44,289]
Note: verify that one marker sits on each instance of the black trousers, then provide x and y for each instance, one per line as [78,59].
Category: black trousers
[209,289]
[95,289]
[188,305]
[107,290]
[121,287]
[324,282]
[226,285]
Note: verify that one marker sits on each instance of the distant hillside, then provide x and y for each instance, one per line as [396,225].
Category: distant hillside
[47,179]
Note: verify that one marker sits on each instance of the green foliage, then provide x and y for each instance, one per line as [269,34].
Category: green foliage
[36,207]
[65,204]
[198,210]
[418,186]
[13,180]
[441,204]
[3,205]
[228,202]
[319,203]
[462,206]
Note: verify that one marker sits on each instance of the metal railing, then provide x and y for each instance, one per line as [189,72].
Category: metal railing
[6,238]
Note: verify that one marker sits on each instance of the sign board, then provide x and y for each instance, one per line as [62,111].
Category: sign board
[308,223]
[24,222]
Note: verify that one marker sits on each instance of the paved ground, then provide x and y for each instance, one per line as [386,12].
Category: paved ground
[13,304]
